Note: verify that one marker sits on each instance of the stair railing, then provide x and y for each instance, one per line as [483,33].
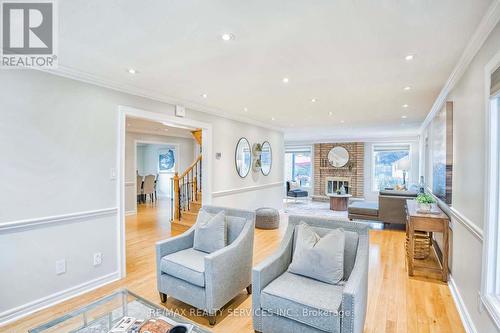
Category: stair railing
[185,188]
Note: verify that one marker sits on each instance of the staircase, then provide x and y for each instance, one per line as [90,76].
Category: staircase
[186,195]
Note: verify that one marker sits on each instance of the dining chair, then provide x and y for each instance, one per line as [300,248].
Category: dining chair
[149,187]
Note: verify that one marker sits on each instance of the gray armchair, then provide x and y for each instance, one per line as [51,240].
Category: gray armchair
[207,281]
[286,302]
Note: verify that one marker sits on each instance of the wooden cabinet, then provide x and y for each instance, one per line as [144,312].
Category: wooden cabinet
[431,223]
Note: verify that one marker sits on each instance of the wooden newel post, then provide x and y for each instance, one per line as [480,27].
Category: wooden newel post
[177,213]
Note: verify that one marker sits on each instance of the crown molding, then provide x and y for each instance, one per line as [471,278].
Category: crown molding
[334,139]
[487,24]
[78,75]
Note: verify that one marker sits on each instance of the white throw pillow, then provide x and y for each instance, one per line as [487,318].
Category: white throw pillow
[294,185]
[320,258]
[210,232]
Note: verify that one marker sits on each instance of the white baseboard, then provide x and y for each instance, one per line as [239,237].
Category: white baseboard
[131,212]
[462,309]
[58,297]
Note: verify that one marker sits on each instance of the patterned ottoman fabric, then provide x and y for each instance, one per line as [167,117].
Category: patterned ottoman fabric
[267,218]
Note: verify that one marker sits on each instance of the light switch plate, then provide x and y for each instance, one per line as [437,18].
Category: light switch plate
[180,111]
[61,266]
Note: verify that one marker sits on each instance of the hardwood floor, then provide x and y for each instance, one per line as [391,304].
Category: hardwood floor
[396,303]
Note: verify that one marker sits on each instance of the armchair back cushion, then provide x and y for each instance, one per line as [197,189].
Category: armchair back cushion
[234,226]
[210,232]
[320,258]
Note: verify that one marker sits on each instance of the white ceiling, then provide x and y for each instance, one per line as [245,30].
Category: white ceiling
[138,125]
[348,54]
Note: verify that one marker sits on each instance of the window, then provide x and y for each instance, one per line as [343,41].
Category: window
[298,166]
[391,166]
[490,289]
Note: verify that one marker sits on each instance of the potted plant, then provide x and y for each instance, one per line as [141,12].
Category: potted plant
[425,202]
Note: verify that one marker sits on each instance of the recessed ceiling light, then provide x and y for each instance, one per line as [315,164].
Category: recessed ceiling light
[272,118]
[286,80]
[313,100]
[204,95]
[405,105]
[330,113]
[342,121]
[407,88]
[404,117]
[409,57]
[245,109]
[132,71]
[227,37]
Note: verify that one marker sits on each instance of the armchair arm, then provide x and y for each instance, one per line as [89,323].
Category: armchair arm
[172,245]
[267,271]
[228,270]
[354,296]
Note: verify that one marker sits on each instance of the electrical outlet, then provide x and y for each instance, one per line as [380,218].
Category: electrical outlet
[97,258]
[112,174]
[61,266]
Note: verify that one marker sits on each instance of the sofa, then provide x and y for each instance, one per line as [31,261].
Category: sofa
[390,208]
[287,302]
[208,281]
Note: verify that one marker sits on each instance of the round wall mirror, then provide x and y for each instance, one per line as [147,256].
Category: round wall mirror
[338,156]
[243,157]
[266,158]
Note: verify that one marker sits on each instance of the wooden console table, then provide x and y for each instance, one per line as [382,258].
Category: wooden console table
[430,223]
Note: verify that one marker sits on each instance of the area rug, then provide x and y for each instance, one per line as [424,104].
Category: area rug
[314,208]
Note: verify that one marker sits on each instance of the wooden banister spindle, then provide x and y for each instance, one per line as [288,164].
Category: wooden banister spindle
[177,197]
[186,188]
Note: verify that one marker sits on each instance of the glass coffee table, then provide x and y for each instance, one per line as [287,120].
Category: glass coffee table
[100,316]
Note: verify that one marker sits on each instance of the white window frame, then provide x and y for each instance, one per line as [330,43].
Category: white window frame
[395,145]
[302,148]
[490,284]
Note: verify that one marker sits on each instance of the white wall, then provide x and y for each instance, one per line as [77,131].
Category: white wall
[371,195]
[185,156]
[467,215]
[58,139]
[258,190]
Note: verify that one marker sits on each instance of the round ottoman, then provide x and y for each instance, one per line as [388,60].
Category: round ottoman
[267,218]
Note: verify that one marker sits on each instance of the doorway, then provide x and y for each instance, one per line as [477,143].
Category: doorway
[159,146]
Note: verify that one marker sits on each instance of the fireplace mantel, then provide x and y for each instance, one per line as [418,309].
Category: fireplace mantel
[353,173]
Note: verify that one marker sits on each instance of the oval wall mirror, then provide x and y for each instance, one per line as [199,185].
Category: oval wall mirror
[266,158]
[243,157]
[338,157]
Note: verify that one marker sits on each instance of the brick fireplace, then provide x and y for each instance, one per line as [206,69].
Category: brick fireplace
[351,174]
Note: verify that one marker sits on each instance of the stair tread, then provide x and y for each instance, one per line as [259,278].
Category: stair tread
[184,223]
[187,212]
